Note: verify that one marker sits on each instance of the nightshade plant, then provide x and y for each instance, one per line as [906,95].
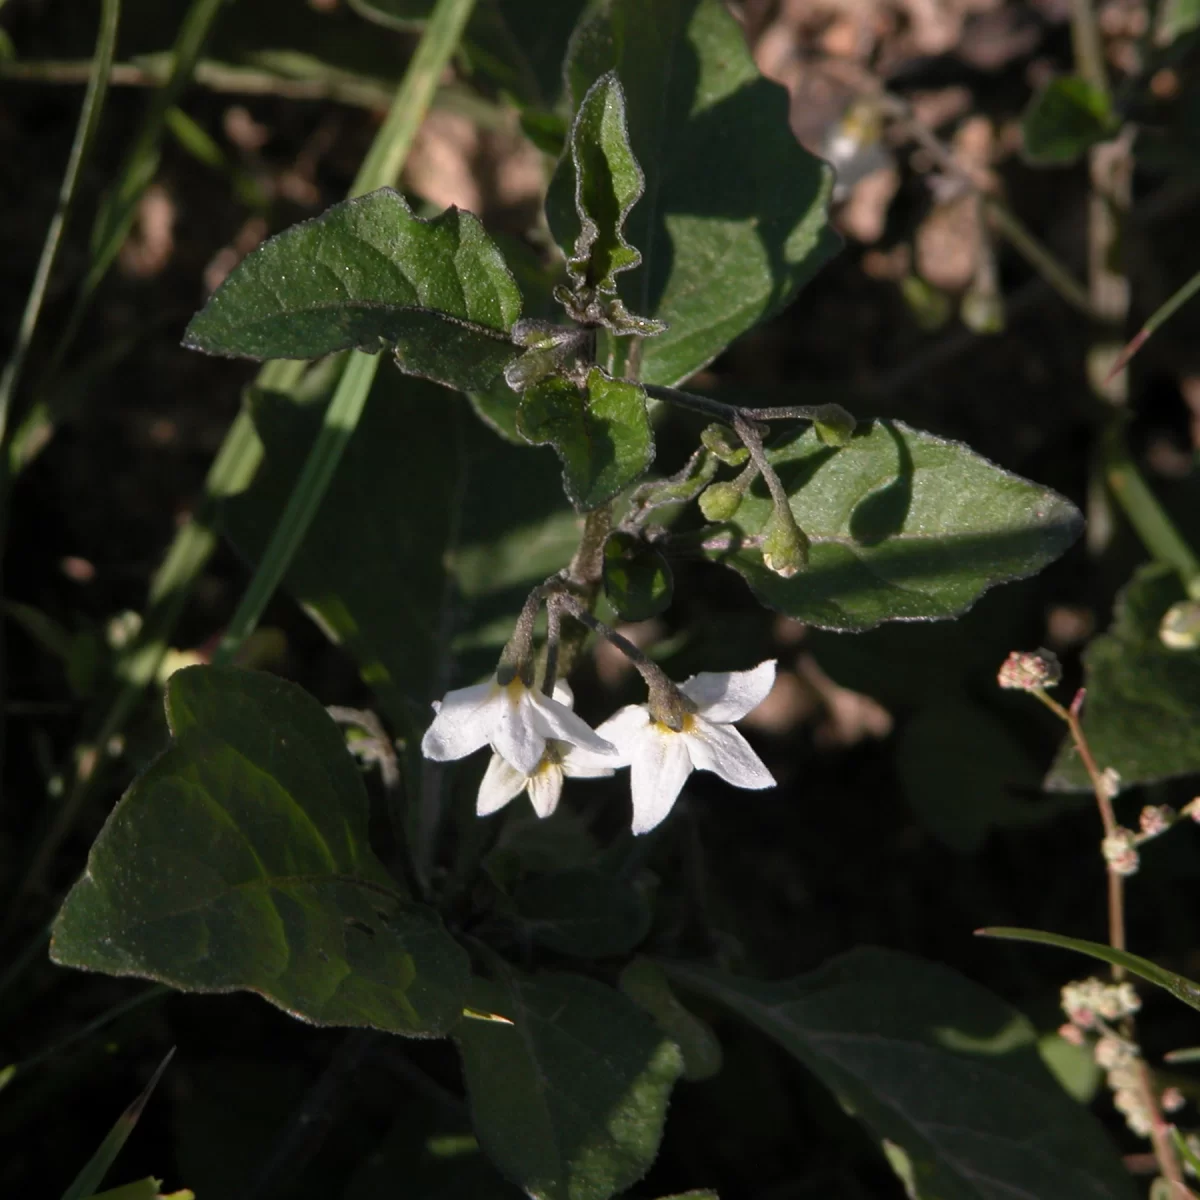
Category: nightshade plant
[240,858]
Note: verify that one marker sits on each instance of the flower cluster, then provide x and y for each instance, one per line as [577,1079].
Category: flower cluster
[537,740]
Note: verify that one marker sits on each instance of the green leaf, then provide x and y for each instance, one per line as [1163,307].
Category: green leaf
[1179,987]
[568,1101]
[369,275]
[601,433]
[239,861]
[637,579]
[583,913]
[384,551]
[142,1189]
[963,772]
[734,220]
[94,1170]
[936,1065]
[646,984]
[1143,698]
[903,526]
[1066,117]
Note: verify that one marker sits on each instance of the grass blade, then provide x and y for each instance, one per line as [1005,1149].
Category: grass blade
[1161,316]
[88,1180]
[1179,987]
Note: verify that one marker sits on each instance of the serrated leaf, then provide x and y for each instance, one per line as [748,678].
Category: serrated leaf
[902,525]
[936,1065]
[384,551]
[369,275]
[637,579]
[1179,987]
[600,432]
[570,1099]
[239,861]
[583,913]
[1142,713]
[733,221]
[1065,118]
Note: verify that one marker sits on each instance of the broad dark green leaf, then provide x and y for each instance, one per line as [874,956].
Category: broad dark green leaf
[903,526]
[647,985]
[1142,714]
[733,221]
[600,432]
[1066,117]
[637,579]
[239,861]
[409,523]
[936,1065]
[1179,987]
[568,1101]
[583,913]
[965,773]
[367,274]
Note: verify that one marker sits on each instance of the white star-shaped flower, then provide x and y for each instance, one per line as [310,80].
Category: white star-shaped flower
[502,782]
[660,759]
[515,720]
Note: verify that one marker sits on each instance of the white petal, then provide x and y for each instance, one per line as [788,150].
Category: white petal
[723,751]
[545,788]
[563,693]
[554,720]
[578,763]
[660,765]
[623,729]
[515,735]
[500,784]
[462,723]
[726,696]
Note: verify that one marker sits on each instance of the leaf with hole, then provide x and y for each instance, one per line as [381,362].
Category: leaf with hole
[239,861]
[734,217]
[1179,987]
[902,525]
[1140,716]
[369,275]
[570,1099]
[637,579]
[1064,119]
[600,432]
[935,1065]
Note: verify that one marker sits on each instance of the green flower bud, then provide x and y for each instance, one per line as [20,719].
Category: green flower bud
[785,546]
[720,501]
[834,425]
[716,440]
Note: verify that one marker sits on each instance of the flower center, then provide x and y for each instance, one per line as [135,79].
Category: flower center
[687,722]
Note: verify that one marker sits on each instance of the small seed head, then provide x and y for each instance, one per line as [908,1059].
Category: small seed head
[1120,851]
[1027,671]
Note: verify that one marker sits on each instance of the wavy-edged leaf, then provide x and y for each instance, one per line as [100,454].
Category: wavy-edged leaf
[600,432]
[936,1065]
[569,1100]
[1142,715]
[369,275]
[1179,987]
[239,861]
[902,525]
[734,217]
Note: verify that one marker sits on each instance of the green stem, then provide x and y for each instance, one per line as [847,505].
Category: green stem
[1088,46]
[1151,523]
[240,454]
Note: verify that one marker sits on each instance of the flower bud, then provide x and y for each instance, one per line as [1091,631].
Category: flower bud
[1119,851]
[1172,1100]
[720,501]
[1155,819]
[1180,626]
[716,440]
[785,547]
[1030,671]
[834,425]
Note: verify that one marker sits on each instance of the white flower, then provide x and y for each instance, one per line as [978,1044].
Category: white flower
[515,720]
[501,782]
[660,759]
